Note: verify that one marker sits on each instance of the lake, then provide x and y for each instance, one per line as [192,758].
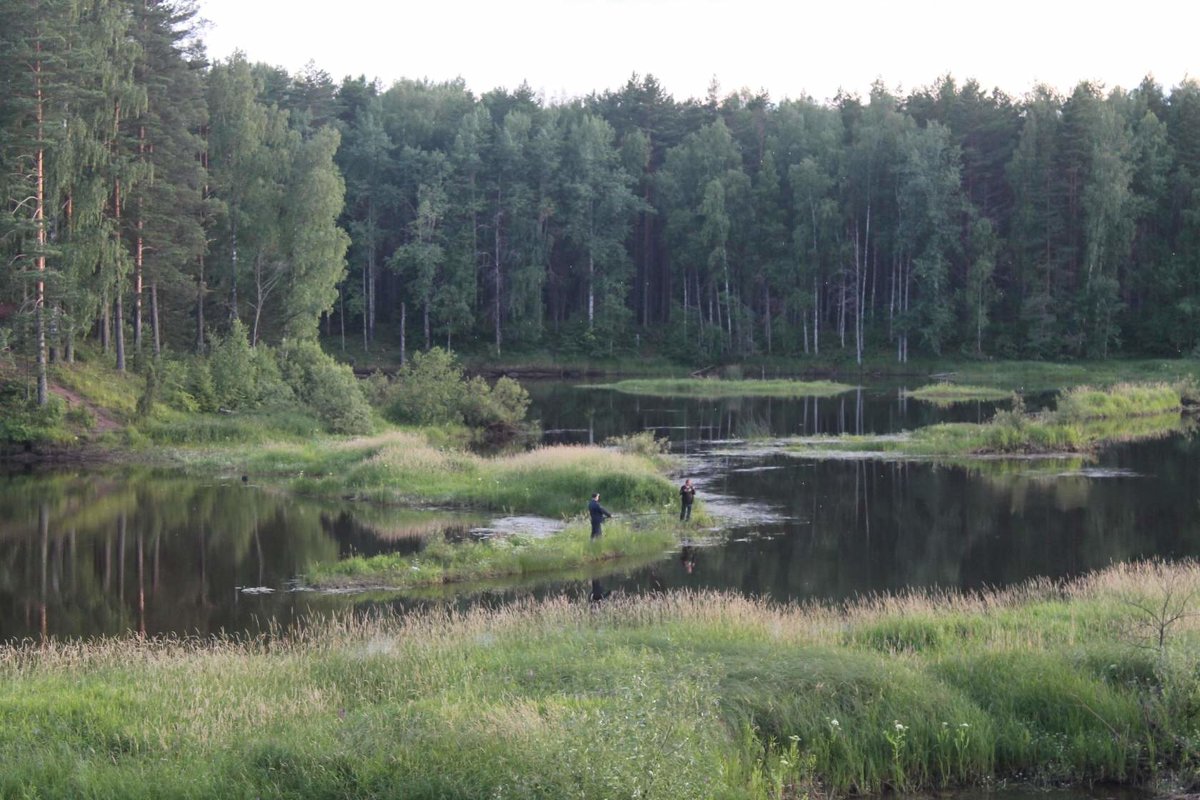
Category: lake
[87,552]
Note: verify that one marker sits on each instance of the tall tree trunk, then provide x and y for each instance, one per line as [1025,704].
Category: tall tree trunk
[496,303]
[233,266]
[139,255]
[154,320]
[425,322]
[591,292]
[403,332]
[39,221]
[366,327]
[200,305]
[119,330]
[767,315]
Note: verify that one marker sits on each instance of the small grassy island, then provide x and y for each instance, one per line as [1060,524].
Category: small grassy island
[516,556]
[681,695]
[946,394]
[1084,420]
[712,388]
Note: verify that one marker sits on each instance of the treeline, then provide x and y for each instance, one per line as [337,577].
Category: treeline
[153,198]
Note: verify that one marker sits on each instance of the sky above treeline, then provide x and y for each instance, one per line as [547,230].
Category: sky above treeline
[570,48]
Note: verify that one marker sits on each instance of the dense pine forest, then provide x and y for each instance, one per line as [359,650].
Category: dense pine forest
[155,199]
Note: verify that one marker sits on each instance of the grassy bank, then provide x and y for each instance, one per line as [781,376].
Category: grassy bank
[697,696]
[441,562]
[406,467]
[945,394]
[715,388]
[1085,420]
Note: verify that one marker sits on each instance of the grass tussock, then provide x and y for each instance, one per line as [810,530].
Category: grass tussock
[681,695]
[443,562]
[710,388]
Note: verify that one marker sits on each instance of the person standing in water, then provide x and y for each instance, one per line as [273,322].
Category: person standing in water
[598,514]
[687,493]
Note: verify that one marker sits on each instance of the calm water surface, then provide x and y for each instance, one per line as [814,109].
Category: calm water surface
[85,553]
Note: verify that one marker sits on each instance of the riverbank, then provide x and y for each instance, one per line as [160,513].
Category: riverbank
[682,695]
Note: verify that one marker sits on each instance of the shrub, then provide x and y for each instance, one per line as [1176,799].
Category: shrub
[642,443]
[327,387]
[431,390]
[232,362]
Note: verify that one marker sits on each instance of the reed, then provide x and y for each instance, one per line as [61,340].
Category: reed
[681,695]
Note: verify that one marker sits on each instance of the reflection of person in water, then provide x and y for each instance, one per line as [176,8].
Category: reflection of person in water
[687,557]
[598,591]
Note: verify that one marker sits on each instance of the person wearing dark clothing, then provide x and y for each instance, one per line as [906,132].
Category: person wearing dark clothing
[687,493]
[598,515]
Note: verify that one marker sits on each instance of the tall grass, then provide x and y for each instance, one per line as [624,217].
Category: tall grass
[715,387]
[1122,400]
[406,467]
[682,695]
[950,393]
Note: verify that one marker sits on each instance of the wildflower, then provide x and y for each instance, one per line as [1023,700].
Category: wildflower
[900,727]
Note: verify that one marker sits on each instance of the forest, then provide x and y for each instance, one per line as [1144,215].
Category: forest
[156,199]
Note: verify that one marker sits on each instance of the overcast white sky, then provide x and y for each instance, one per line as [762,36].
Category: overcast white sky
[568,48]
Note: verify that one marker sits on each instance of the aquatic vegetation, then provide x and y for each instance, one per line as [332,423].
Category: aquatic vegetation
[1085,420]
[716,387]
[697,695]
[951,393]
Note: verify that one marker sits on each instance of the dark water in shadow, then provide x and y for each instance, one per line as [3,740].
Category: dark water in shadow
[85,553]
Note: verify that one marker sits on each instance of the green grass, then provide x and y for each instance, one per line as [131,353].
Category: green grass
[1085,420]
[678,695]
[950,393]
[406,467]
[442,562]
[1029,376]
[715,387]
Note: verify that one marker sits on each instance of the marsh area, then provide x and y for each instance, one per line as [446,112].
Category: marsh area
[91,552]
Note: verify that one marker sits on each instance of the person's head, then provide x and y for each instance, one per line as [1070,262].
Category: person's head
[595,495]
[687,482]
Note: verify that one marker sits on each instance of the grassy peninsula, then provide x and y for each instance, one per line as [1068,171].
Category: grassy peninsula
[1085,419]
[682,695]
[516,556]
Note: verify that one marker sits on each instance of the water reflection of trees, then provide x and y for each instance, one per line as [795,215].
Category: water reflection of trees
[865,526]
[83,555]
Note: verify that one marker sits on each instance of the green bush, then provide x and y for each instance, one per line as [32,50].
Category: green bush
[25,422]
[232,362]
[428,390]
[328,388]
[432,390]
